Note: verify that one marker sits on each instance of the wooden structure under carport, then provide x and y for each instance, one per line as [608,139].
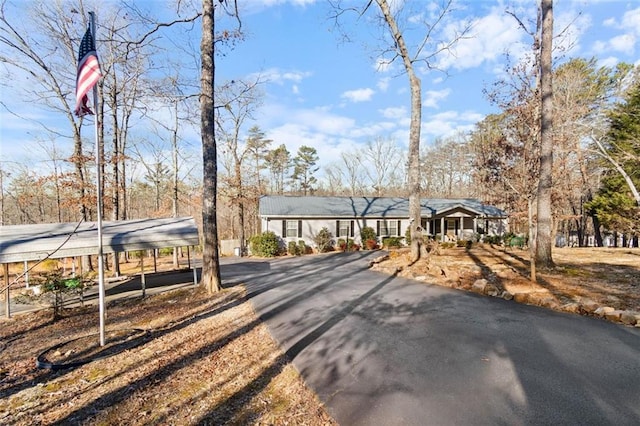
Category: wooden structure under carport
[19,243]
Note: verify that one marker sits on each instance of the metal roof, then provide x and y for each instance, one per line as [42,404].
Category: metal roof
[298,206]
[34,242]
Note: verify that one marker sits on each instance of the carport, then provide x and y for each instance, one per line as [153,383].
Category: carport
[20,243]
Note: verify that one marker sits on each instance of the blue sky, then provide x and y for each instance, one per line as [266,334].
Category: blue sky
[323,92]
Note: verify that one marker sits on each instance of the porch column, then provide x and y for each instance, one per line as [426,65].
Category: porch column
[428,227]
[475,225]
[443,230]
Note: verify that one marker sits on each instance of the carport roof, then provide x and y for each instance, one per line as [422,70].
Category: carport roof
[57,240]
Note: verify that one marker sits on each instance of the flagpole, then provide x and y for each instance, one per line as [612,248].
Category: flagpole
[98,196]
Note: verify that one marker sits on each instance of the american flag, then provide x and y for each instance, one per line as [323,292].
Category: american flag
[88,73]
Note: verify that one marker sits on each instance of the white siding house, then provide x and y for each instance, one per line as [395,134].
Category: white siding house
[300,218]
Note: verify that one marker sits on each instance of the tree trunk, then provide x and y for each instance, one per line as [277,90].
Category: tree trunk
[210,262]
[543,255]
[414,134]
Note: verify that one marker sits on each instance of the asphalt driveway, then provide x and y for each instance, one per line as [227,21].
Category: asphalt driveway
[383,350]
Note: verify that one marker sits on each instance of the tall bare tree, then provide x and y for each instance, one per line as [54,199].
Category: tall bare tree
[543,242]
[398,48]
[210,254]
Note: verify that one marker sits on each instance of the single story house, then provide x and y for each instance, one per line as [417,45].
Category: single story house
[300,218]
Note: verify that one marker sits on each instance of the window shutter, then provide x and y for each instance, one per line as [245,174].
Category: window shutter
[352,228]
[399,233]
[377,227]
[337,229]
[299,229]
[284,229]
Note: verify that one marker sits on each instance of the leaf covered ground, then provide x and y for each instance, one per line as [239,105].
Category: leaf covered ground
[185,357]
[605,276]
[182,357]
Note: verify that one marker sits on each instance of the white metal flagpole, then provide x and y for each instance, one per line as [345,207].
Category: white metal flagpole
[99,197]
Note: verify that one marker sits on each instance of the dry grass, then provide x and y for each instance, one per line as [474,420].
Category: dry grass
[202,360]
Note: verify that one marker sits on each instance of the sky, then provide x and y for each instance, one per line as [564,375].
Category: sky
[335,95]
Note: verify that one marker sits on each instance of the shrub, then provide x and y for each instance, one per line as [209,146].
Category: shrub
[464,243]
[348,245]
[323,240]
[302,247]
[292,248]
[407,236]
[389,242]
[58,286]
[368,233]
[266,244]
[371,244]
[492,239]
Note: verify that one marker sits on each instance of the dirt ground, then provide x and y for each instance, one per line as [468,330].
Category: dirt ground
[583,279]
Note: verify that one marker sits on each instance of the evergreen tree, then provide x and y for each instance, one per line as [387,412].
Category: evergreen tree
[304,166]
[616,205]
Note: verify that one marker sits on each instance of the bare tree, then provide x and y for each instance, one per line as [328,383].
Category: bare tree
[210,257]
[425,50]
[543,242]
[240,99]
[381,160]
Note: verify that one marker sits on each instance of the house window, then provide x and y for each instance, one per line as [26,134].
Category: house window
[292,228]
[388,228]
[344,228]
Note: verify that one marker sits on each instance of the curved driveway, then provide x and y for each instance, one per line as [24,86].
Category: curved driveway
[383,350]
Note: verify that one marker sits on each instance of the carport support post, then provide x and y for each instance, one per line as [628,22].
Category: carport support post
[142,280]
[7,306]
[195,273]
[26,274]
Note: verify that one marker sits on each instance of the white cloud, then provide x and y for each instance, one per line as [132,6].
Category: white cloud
[274,75]
[383,84]
[449,123]
[432,97]
[631,20]
[383,66]
[489,38]
[358,95]
[394,112]
[625,42]
[610,61]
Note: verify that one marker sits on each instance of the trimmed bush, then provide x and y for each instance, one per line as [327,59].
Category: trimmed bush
[292,248]
[302,247]
[266,244]
[390,242]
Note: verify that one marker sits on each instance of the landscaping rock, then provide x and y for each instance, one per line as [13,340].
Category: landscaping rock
[603,310]
[613,315]
[506,295]
[491,290]
[589,306]
[629,318]
[479,286]
[572,307]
